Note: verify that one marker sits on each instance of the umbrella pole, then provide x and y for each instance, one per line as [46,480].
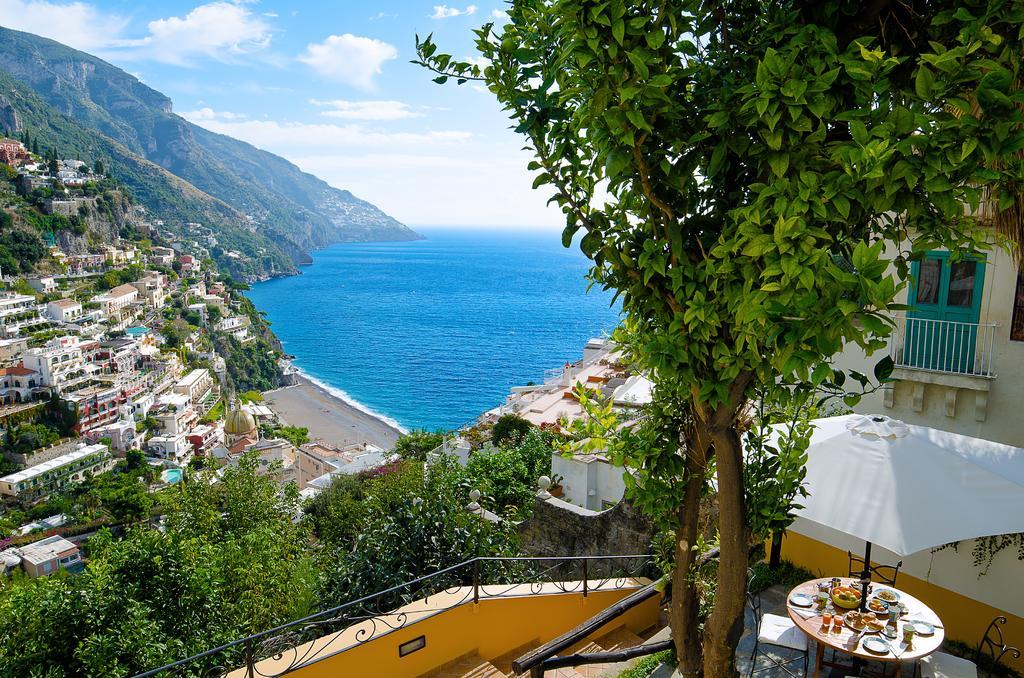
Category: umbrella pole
[865,577]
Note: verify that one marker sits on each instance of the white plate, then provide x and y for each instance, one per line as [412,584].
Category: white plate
[924,628]
[888,591]
[801,600]
[875,645]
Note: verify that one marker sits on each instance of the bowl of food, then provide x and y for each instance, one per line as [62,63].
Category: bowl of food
[846,597]
[878,606]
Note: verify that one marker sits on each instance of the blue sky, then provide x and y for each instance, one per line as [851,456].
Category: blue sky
[327,85]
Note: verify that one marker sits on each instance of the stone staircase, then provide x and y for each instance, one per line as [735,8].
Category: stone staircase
[474,666]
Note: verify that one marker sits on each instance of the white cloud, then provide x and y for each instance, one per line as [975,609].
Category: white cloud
[271,134]
[366,110]
[499,14]
[446,12]
[351,59]
[207,113]
[217,30]
[77,24]
[383,15]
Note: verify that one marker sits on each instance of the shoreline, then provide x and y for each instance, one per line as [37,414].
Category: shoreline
[328,416]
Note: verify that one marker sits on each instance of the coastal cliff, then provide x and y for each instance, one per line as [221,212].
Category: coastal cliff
[259,204]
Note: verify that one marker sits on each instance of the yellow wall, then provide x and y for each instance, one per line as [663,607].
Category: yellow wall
[491,628]
[965,619]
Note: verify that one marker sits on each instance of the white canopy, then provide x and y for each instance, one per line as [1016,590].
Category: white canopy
[909,488]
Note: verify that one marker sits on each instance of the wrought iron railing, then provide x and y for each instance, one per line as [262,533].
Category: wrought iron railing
[304,641]
[944,346]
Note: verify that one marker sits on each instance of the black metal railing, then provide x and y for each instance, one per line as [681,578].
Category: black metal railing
[291,646]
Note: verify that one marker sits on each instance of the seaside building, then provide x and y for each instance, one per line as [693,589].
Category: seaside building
[590,480]
[236,326]
[11,349]
[318,462]
[152,288]
[18,384]
[43,557]
[44,284]
[196,385]
[63,363]
[161,256]
[204,437]
[64,310]
[115,301]
[121,433]
[84,264]
[39,481]
[18,313]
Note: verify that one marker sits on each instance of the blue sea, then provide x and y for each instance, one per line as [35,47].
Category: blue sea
[431,333]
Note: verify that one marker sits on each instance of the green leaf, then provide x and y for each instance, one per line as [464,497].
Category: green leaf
[924,83]
[655,39]
[969,145]
[779,163]
[884,368]
[619,30]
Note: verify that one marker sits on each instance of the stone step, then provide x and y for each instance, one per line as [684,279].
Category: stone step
[469,666]
[619,639]
[504,662]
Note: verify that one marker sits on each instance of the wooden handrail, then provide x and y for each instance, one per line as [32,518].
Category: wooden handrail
[605,657]
[542,655]
[536,656]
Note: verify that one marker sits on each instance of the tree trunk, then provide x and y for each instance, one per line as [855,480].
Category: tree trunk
[685,596]
[725,625]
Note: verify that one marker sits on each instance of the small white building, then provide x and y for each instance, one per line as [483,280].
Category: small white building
[64,310]
[44,284]
[42,557]
[236,326]
[114,301]
[195,385]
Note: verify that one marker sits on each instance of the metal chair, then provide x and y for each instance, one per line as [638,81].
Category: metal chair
[885,574]
[778,632]
[993,645]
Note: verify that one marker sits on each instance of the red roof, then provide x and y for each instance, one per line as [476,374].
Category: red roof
[17,371]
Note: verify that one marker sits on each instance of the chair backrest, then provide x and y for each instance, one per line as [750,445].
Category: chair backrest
[754,601]
[885,574]
[993,645]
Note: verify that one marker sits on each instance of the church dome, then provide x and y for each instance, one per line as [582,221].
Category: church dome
[239,423]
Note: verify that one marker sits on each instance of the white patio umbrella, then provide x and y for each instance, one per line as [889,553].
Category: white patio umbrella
[909,488]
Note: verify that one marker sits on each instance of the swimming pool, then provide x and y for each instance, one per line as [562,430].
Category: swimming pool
[171,476]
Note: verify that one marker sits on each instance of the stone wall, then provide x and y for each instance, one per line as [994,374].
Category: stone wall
[558,528]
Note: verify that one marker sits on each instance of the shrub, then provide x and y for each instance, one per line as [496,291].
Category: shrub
[509,429]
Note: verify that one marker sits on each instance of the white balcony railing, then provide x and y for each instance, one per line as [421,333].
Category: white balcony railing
[944,346]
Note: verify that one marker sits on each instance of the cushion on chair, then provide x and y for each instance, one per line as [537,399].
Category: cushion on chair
[781,631]
[942,665]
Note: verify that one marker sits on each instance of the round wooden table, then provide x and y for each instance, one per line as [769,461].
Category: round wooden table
[849,642]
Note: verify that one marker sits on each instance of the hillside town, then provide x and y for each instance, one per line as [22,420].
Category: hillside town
[116,367]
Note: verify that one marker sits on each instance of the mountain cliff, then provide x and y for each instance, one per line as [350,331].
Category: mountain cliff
[295,210]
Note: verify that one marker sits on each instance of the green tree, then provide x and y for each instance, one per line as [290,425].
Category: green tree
[229,562]
[758,158]
[426,529]
[509,430]
[98,167]
[417,443]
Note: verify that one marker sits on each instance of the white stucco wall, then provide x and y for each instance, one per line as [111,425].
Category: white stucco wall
[1004,420]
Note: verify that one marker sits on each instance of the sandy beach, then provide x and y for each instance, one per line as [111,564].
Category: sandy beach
[328,417]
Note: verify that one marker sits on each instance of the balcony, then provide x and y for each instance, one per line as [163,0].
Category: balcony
[434,624]
[944,346]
